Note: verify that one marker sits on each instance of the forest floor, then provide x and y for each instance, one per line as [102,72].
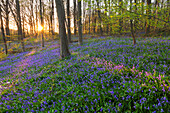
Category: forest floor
[105,74]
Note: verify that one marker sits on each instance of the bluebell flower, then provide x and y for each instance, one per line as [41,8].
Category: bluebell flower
[120,104]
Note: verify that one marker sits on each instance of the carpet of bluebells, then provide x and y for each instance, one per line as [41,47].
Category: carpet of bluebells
[103,75]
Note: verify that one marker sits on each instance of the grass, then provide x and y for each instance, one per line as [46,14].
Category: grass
[103,75]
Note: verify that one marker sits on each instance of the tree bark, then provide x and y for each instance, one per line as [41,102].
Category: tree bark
[64,51]
[68,19]
[110,25]
[100,20]
[149,17]
[89,14]
[2,30]
[131,25]
[42,22]
[75,28]
[135,20]
[107,25]
[94,21]
[52,17]
[20,34]
[31,18]
[120,20]
[79,23]
[7,20]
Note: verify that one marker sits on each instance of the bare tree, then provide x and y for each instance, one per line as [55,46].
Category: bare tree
[74,13]
[42,22]
[2,30]
[94,19]
[149,17]
[17,16]
[107,25]
[131,25]
[36,16]
[100,19]
[64,51]
[120,19]
[68,21]
[5,6]
[52,17]
[80,23]
[89,3]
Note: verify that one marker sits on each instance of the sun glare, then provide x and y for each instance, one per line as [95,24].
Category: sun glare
[40,28]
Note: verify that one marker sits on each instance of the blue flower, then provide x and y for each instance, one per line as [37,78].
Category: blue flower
[101,109]
[120,104]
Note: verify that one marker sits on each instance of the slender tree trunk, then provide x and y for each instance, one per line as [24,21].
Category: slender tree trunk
[149,17]
[94,21]
[42,22]
[120,20]
[23,25]
[7,21]
[20,34]
[168,10]
[156,11]
[107,25]
[68,19]
[89,14]
[51,28]
[2,30]
[131,25]
[84,17]
[36,18]
[135,20]
[52,18]
[143,3]
[32,18]
[80,23]
[109,16]
[75,28]
[64,51]
[100,20]
[84,25]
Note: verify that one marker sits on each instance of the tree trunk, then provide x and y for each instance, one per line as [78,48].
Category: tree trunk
[110,25]
[135,20]
[89,14]
[20,34]
[42,23]
[64,51]
[149,17]
[100,20]
[143,2]
[68,19]
[131,25]
[94,21]
[156,11]
[80,23]
[120,20]
[75,28]
[7,21]
[52,17]
[23,25]
[84,17]
[2,30]
[31,18]
[36,18]
[107,25]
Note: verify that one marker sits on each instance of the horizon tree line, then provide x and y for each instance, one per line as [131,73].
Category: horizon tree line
[104,17]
